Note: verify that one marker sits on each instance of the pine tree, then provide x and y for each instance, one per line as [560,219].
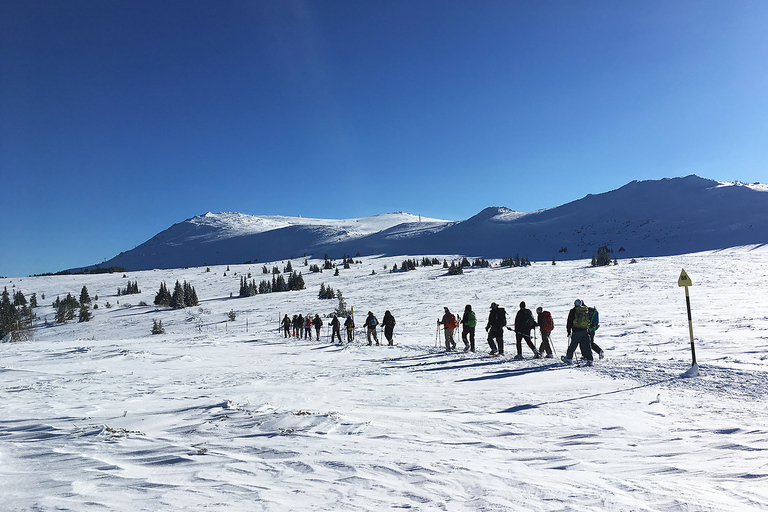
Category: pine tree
[85,298]
[8,314]
[163,296]
[177,299]
[157,327]
[85,313]
[61,313]
[33,301]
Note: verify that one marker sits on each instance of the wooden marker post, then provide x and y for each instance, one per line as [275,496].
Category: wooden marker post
[686,282]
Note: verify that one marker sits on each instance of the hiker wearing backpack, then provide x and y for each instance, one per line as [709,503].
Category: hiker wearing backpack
[335,329]
[468,322]
[524,322]
[577,327]
[389,326]
[349,325]
[449,324]
[318,323]
[308,327]
[370,323]
[497,319]
[286,326]
[546,326]
[594,323]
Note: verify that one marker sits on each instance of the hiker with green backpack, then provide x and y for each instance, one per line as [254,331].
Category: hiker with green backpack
[468,322]
[577,327]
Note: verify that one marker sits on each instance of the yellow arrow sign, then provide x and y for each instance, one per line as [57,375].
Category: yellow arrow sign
[684,279]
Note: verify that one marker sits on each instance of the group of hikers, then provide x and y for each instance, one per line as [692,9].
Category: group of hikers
[301,327]
[581,325]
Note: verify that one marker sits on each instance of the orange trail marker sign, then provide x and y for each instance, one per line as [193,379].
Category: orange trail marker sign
[686,282]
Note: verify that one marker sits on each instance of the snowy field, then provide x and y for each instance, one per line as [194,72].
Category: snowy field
[217,415]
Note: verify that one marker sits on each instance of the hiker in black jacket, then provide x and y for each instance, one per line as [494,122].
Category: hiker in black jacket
[524,322]
[389,326]
[335,329]
[497,319]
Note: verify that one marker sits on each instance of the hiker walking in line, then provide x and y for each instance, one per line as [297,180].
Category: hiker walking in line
[286,326]
[577,327]
[468,322]
[389,326]
[349,325]
[497,319]
[300,326]
[293,325]
[449,324]
[335,332]
[370,323]
[318,323]
[308,327]
[546,326]
[524,322]
[594,323]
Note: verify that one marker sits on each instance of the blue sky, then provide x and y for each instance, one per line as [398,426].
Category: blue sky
[121,118]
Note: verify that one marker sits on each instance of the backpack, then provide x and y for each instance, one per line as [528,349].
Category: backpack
[451,323]
[470,320]
[501,317]
[372,322]
[594,321]
[581,318]
[547,324]
[530,323]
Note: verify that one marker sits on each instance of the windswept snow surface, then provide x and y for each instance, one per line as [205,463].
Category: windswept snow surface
[232,416]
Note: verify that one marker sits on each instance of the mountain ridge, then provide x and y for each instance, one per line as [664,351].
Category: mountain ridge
[642,218]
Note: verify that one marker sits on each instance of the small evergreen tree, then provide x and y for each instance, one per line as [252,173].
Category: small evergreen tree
[177,298]
[84,297]
[163,296]
[85,313]
[157,327]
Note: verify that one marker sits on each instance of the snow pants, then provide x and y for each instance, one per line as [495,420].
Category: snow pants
[580,338]
[468,334]
[449,343]
[496,333]
[546,344]
[527,337]
[389,332]
[372,333]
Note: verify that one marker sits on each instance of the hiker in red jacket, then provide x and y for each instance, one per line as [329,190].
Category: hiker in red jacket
[449,324]
[546,326]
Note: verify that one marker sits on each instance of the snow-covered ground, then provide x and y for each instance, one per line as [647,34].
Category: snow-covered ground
[232,416]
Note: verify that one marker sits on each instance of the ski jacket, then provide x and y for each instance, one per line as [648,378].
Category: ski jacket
[497,319]
[335,323]
[286,322]
[317,322]
[388,321]
[469,319]
[308,323]
[349,323]
[524,321]
[449,321]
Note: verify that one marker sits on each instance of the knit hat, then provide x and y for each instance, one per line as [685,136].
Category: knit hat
[539,309]
[577,302]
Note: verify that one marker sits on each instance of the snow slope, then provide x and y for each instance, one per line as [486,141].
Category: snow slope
[646,218]
[232,416]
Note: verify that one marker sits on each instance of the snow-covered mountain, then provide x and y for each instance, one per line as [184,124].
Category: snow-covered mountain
[642,218]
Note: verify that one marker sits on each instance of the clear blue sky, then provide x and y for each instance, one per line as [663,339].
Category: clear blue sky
[121,118]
